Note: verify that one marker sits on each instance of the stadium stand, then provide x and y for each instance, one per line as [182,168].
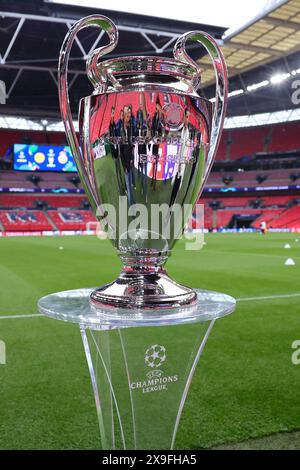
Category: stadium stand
[72,219]
[249,178]
[31,201]
[245,142]
[26,220]
[269,216]
[284,137]
[258,157]
[18,179]
[10,137]
[274,210]
[288,218]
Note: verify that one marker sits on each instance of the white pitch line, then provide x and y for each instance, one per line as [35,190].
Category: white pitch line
[269,297]
[241,299]
[30,315]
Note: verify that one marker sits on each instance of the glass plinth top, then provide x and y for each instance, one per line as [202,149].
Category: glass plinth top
[74,306]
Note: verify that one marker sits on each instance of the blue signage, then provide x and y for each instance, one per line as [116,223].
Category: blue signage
[43,158]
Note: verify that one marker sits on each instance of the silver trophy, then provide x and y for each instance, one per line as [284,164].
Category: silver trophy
[147,141]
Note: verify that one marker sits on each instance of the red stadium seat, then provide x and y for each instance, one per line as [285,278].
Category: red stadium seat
[24,221]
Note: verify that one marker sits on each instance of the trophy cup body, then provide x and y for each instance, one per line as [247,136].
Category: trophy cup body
[147,141]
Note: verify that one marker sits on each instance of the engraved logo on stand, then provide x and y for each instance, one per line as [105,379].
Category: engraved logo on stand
[155,356]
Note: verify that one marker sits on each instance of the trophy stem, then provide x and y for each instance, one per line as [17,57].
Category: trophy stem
[144,261]
[143,283]
[142,288]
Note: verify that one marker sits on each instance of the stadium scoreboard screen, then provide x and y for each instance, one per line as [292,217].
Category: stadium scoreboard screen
[43,158]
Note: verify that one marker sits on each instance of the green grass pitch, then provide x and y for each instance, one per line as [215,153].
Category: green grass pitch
[245,385]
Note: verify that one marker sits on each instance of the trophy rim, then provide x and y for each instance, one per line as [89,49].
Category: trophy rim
[152,59]
[121,70]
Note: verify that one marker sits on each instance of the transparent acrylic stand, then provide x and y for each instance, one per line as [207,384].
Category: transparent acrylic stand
[141,362]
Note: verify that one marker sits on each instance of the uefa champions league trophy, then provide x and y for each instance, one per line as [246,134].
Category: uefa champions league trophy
[147,141]
[146,138]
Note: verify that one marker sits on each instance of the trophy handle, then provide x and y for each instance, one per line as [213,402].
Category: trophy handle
[220,68]
[94,75]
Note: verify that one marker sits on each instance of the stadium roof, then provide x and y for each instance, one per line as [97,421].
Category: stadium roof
[262,55]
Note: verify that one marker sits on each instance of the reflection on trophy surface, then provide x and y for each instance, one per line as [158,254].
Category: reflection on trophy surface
[147,143]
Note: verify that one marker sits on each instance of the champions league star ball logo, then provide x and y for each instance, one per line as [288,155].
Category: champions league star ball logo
[156,380]
[155,356]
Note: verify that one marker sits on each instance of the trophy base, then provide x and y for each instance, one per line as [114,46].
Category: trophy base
[143,290]
[141,363]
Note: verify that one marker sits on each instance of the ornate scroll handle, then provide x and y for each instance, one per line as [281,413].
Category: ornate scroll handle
[220,68]
[93,73]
